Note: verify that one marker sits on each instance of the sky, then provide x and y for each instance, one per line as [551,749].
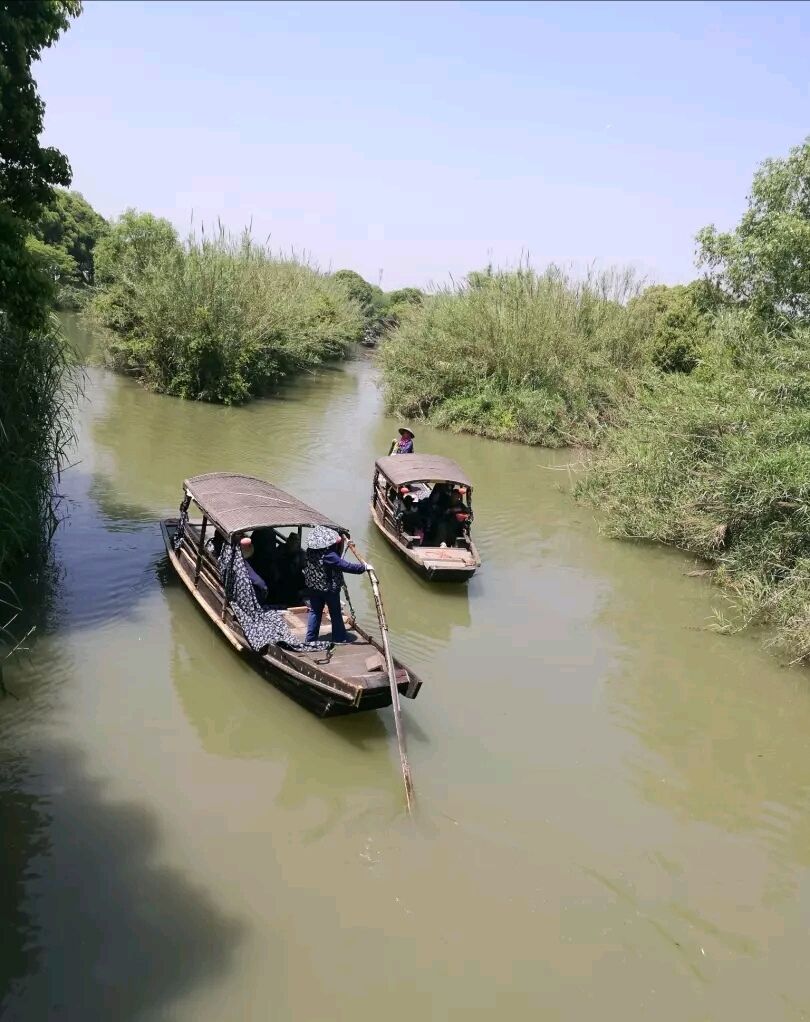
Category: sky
[414,142]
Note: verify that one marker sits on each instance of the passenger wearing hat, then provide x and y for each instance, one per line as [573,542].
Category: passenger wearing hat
[323,576]
[405,443]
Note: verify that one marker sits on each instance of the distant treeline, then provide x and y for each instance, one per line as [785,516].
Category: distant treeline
[223,319]
[212,318]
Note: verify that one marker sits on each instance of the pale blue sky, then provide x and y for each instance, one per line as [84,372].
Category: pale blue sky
[426,139]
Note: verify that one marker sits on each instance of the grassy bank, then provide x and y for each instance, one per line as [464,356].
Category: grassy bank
[537,358]
[215,319]
[38,380]
[718,463]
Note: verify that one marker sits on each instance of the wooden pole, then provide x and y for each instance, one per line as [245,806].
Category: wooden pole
[200,549]
[392,680]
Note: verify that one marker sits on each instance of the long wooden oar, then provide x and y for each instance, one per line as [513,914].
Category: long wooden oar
[392,680]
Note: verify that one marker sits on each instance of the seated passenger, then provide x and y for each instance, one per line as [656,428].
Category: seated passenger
[459,517]
[405,443]
[260,626]
[291,571]
[258,583]
[265,553]
[437,504]
[215,544]
[410,518]
[398,498]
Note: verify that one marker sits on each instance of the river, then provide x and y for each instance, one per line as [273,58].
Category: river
[612,798]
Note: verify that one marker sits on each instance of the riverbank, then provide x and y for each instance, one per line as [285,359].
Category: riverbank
[718,464]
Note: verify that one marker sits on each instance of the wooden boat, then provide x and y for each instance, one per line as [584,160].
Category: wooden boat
[420,473]
[348,678]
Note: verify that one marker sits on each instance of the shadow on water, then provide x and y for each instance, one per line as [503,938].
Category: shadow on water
[24,838]
[106,550]
[93,925]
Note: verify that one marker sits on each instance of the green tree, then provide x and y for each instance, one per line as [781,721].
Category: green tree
[133,243]
[27,170]
[356,287]
[34,361]
[58,264]
[71,225]
[373,301]
[764,263]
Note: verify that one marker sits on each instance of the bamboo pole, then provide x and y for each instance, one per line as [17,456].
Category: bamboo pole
[392,681]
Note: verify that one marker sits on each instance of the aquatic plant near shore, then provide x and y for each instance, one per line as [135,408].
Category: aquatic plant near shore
[219,319]
[39,380]
[539,358]
[718,464]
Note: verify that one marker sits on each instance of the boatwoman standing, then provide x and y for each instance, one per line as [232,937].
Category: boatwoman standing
[405,443]
[323,577]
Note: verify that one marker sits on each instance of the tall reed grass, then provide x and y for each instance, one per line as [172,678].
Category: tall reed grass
[718,464]
[224,320]
[543,358]
[38,382]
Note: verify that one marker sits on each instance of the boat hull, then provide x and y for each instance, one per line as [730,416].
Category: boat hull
[431,563]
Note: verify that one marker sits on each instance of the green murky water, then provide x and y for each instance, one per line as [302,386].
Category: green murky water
[613,801]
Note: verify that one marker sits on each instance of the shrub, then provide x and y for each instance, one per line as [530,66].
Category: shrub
[718,463]
[677,323]
[217,319]
[540,358]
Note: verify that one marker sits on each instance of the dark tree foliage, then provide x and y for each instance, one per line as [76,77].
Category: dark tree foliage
[70,228]
[28,170]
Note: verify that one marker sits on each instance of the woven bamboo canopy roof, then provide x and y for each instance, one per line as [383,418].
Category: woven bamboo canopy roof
[421,468]
[237,503]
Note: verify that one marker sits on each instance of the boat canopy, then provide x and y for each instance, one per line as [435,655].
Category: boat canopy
[238,503]
[421,468]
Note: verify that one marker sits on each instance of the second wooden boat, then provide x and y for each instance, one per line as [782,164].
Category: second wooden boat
[422,477]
